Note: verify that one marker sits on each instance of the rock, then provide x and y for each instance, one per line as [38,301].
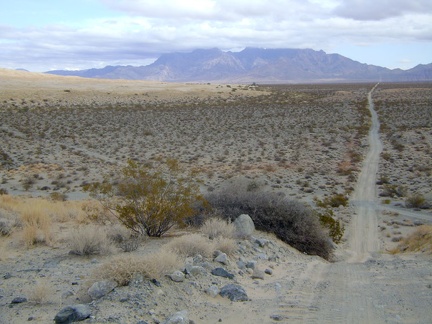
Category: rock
[234,293]
[213,290]
[277,318]
[73,313]
[7,275]
[244,226]
[241,265]
[222,258]
[261,242]
[221,272]
[156,282]
[251,264]
[258,274]
[197,271]
[262,256]
[178,318]
[101,288]
[268,271]
[177,276]
[18,300]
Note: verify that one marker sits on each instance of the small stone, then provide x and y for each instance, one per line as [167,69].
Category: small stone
[276,317]
[234,293]
[222,258]
[258,274]
[177,276]
[197,271]
[178,318]
[213,290]
[156,283]
[221,272]
[7,275]
[268,271]
[251,264]
[261,242]
[18,300]
[241,265]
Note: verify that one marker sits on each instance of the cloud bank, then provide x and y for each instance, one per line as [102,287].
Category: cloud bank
[138,31]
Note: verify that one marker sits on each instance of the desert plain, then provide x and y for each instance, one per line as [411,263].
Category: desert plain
[371,143]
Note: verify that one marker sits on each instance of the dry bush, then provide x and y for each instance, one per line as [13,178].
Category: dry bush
[89,240]
[226,245]
[123,268]
[418,241]
[290,221]
[216,227]
[36,224]
[191,245]
[40,293]
[5,227]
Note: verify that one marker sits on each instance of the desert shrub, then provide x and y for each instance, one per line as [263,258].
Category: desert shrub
[5,227]
[216,227]
[290,221]
[335,200]
[335,227]
[393,190]
[149,200]
[124,267]
[418,241]
[58,196]
[416,201]
[40,293]
[191,245]
[226,245]
[36,225]
[89,240]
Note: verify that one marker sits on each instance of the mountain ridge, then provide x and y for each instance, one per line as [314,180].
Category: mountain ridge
[255,65]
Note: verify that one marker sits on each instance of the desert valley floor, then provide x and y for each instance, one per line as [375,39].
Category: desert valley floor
[371,143]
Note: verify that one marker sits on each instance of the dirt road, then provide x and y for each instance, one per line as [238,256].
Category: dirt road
[367,286]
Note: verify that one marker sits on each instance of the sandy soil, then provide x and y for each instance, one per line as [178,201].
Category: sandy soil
[311,127]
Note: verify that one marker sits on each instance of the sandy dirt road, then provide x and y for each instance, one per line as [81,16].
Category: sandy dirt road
[366,286]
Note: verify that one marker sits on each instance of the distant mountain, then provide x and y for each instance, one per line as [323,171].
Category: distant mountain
[256,65]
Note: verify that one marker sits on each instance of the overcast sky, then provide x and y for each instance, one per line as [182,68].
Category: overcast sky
[42,35]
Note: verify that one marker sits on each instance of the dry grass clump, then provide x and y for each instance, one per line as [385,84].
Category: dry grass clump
[226,245]
[5,227]
[216,227]
[89,240]
[40,293]
[191,245]
[418,241]
[123,268]
[36,225]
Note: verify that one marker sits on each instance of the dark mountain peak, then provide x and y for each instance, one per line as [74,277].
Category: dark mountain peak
[256,65]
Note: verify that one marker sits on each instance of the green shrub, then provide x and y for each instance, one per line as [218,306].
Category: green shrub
[335,228]
[290,221]
[333,201]
[149,200]
[415,201]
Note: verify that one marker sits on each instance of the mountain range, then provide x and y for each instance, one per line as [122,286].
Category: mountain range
[256,65]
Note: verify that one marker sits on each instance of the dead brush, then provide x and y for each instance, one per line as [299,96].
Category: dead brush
[123,268]
[217,227]
[418,241]
[191,245]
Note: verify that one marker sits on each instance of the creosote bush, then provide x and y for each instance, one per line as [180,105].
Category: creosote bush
[290,221]
[416,201]
[335,227]
[149,200]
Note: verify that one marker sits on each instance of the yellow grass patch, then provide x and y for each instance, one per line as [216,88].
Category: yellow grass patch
[418,241]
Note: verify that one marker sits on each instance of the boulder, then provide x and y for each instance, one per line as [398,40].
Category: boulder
[222,258]
[244,226]
[177,276]
[178,318]
[221,272]
[234,293]
[74,313]
[101,288]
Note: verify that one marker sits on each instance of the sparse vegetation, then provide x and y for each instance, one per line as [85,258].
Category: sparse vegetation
[191,245]
[418,241]
[149,201]
[89,240]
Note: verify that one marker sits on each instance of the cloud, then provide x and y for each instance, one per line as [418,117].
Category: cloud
[136,32]
[381,9]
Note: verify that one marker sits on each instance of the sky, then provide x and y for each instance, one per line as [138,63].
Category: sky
[43,35]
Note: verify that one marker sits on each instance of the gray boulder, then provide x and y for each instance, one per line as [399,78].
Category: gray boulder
[178,318]
[244,226]
[101,288]
[74,313]
[222,258]
[234,293]
[177,276]
[221,272]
